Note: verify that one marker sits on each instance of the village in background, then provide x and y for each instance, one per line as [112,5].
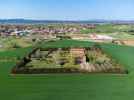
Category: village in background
[24,35]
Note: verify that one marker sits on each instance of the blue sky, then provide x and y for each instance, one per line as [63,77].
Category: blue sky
[67,9]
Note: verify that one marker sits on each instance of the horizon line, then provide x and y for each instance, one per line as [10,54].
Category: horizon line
[34,19]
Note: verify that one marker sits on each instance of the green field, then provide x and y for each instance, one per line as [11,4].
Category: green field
[72,86]
[110,28]
[65,44]
[116,31]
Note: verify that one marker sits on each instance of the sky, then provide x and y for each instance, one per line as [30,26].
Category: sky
[67,9]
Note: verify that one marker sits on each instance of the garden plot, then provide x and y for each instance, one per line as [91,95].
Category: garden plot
[68,60]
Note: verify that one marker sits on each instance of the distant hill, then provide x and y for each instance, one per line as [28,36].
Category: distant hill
[27,21]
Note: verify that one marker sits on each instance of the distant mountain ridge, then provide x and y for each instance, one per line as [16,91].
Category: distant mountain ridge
[30,21]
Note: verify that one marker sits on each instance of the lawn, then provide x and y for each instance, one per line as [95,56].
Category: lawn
[65,44]
[123,54]
[16,53]
[73,86]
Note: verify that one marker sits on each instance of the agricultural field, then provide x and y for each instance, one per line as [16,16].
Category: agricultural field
[69,86]
[116,31]
[13,42]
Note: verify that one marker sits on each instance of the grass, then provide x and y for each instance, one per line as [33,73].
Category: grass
[65,44]
[107,28]
[116,31]
[73,86]
[122,35]
[17,53]
[67,87]
[123,54]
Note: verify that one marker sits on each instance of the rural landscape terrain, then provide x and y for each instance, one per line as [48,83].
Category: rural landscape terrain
[67,61]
